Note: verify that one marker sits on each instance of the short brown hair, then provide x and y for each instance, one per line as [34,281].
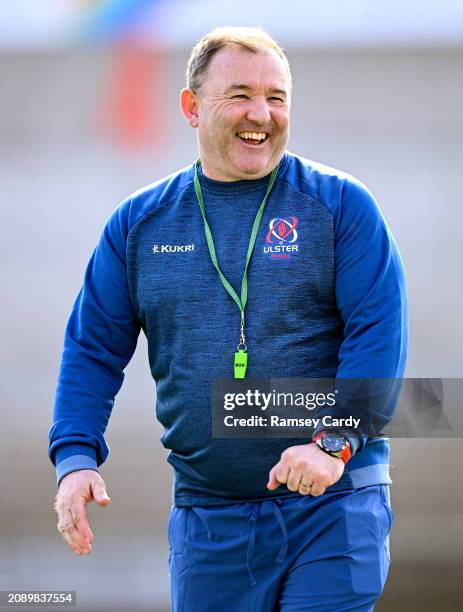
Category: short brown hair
[252,39]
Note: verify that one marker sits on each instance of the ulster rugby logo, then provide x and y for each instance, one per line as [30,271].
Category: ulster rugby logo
[282,230]
[282,236]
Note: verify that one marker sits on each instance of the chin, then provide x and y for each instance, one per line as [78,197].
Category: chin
[254,171]
[255,167]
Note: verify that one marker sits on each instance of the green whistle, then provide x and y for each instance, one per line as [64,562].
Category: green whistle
[241,363]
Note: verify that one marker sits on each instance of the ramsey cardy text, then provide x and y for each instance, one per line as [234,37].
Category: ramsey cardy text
[276,421]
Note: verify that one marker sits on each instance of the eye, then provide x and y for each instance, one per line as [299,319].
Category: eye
[239,97]
[276,99]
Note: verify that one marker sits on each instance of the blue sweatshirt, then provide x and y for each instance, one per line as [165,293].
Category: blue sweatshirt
[327,298]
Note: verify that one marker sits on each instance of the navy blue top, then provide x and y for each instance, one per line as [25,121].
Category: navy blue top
[326,292]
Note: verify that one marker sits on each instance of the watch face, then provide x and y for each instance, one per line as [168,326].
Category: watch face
[333,442]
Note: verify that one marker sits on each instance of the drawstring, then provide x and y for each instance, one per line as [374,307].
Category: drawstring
[198,514]
[253,515]
[252,532]
[281,522]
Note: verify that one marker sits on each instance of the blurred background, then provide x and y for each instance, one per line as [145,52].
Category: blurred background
[88,113]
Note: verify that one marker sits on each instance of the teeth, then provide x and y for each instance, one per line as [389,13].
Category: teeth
[253,135]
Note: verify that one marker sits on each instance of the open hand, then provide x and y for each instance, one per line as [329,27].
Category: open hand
[76,490]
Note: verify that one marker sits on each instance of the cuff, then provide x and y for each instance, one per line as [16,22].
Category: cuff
[72,458]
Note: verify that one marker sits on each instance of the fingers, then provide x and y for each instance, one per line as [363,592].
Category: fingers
[294,479]
[272,479]
[76,490]
[277,476]
[317,489]
[305,487]
[282,472]
[71,534]
[306,469]
[99,493]
[80,519]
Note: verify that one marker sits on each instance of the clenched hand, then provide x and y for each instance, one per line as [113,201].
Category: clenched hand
[307,469]
[76,490]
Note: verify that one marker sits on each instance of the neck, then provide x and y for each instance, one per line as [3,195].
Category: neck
[217,175]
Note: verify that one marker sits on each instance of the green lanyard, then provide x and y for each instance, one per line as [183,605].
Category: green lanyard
[241,356]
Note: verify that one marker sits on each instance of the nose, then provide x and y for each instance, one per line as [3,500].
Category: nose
[259,111]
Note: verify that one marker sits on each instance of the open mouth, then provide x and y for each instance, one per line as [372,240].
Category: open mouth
[253,138]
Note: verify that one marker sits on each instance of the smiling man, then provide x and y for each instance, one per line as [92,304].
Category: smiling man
[249,250]
[238,139]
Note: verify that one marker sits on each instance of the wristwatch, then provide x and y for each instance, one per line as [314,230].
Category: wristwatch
[334,444]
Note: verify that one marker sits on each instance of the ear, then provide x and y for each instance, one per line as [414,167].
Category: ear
[189,103]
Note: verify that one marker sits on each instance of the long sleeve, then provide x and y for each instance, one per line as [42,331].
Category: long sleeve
[372,300]
[100,339]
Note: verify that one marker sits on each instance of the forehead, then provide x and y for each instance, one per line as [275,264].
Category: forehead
[235,64]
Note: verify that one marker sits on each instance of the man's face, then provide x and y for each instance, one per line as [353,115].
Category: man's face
[243,94]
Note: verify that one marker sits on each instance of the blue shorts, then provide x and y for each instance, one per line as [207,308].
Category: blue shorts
[327,553]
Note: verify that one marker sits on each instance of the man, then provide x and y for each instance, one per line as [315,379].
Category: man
[262,524]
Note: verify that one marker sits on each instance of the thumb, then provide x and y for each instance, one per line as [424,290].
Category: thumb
[99,494]
[272,479]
